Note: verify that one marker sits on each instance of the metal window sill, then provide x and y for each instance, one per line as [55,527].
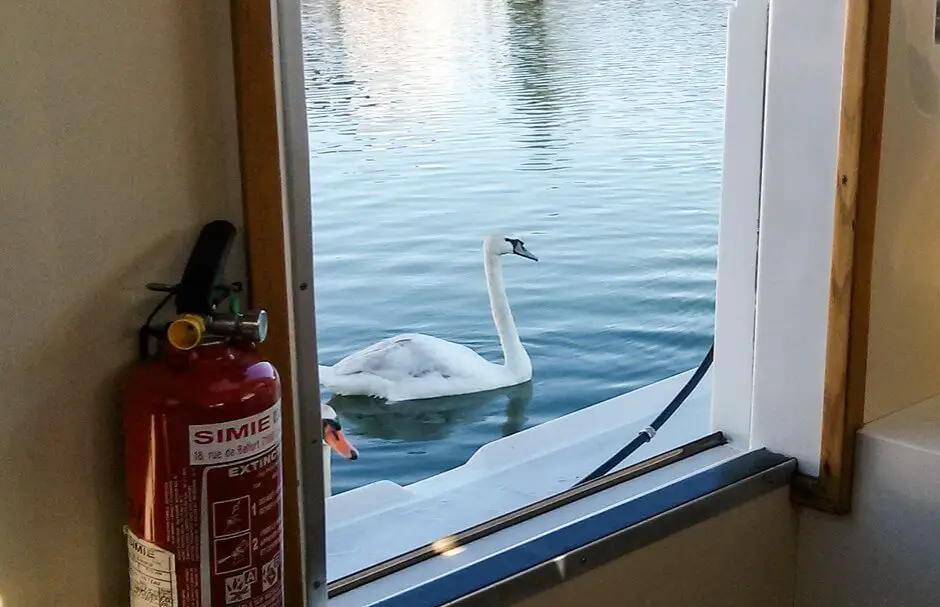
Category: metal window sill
[558,545]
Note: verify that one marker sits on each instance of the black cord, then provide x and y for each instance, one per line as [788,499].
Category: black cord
[147,331]
[647,433]
[159,307]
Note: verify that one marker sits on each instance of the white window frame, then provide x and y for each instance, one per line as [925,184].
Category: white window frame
[772,300]
[775,236]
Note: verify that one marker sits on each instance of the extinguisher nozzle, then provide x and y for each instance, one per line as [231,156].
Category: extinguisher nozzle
[186,332]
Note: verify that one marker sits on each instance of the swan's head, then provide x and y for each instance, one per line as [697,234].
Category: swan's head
[333,434]
[503,244]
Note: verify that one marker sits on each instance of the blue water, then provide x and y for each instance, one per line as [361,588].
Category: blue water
[591,129]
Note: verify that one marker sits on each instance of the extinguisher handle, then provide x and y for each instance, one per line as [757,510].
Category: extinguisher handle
[194,293]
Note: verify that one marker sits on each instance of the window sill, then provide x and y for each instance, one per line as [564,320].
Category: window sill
[383,520]
[551,548]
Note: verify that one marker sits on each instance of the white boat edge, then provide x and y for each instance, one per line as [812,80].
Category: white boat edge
[560,435]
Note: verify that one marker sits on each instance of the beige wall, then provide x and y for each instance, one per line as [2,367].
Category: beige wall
[745,557]
[904,346]
[117,141]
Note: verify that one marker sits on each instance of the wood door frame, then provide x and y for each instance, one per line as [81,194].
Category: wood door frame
[263,33]
[859,160]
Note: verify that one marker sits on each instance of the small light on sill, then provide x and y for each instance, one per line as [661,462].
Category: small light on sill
[445,547]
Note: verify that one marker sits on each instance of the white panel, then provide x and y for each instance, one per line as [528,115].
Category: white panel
[885,553]
[803,93]
[736,295]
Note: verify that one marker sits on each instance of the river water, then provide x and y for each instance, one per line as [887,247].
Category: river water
[591,129]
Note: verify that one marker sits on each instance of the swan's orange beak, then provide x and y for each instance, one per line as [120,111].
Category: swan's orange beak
[335,438]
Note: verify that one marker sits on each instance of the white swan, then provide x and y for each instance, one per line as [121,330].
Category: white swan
[416,366]
[333,438]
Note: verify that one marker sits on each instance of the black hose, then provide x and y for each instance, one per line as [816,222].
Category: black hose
[647,433]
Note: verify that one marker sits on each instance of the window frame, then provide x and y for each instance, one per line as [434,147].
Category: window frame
[823,348]
[274,160]
[271,163]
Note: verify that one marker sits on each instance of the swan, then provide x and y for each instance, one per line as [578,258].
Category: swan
[333,438]
[415,366]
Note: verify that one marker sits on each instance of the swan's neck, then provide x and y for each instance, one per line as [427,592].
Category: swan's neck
[517,359]
[327,480]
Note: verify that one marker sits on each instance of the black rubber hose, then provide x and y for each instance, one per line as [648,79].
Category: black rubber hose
[647,433]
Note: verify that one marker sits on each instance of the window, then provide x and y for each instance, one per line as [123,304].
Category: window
[773,83]
[578,128]
[593,166]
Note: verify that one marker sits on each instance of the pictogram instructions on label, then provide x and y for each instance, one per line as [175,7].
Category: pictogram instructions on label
[232,516]
[212,444]
[238,463]
[244,524]
[152,574]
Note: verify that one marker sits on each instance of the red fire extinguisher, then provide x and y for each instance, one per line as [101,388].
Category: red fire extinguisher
[202,422]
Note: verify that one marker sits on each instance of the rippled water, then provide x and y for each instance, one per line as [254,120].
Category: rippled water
[591,129]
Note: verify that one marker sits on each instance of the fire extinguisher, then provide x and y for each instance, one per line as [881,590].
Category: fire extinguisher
[203,446]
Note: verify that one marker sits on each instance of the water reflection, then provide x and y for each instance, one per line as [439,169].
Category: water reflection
[539,93]
[433,418]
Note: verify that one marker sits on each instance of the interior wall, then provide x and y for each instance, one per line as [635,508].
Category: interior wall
[117,142]
[904,339]
[740,558]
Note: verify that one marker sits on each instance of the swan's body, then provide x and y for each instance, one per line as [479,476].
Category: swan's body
[413,366]
[416,366]
[333,440]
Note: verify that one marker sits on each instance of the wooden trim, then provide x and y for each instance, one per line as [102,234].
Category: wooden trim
[863,89]
[266,229]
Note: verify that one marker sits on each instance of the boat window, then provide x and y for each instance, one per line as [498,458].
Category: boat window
[515,211]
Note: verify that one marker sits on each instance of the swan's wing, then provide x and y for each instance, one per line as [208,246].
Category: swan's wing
[410,356]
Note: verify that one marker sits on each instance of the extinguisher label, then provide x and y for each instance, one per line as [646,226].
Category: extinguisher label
[152,572]
[240,509]
[211,444]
